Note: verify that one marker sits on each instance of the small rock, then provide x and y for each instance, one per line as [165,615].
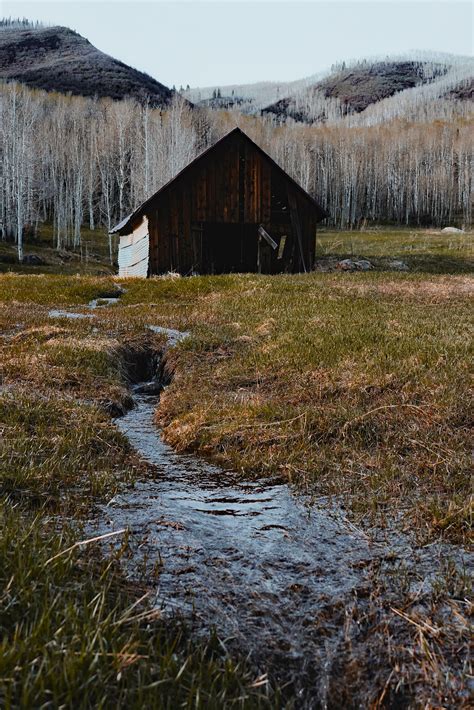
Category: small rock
[452,230]
[354,265]
[398,265]
[346,265]
[363,265]
[153,387]
[33,260]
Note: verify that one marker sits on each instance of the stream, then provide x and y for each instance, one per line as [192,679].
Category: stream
[254,561]
[246,558]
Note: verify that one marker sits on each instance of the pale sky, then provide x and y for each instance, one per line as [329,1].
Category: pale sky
[230,42]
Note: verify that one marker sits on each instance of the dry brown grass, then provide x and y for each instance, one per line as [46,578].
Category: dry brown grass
[73,630]
[430,291]
[352,385]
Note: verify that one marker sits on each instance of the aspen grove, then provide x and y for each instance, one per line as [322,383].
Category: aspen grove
[73,161]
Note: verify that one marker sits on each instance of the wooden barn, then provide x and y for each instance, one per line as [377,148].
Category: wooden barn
[232,209]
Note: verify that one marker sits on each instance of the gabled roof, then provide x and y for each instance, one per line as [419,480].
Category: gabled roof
[127,221]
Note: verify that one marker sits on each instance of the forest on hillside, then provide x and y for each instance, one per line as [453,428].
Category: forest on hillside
[74,161]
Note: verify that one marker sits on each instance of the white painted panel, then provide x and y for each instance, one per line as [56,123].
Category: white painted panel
[142,229]
[134,252]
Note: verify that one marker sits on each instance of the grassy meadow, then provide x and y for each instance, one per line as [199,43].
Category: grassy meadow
[92,257]
[354,385]
[73,631]
[423,251]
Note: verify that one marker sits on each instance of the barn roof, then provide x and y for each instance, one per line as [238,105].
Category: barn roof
[126,223]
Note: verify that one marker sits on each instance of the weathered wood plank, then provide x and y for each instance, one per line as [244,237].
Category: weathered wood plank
[266,194]
[295,221]
[263,233]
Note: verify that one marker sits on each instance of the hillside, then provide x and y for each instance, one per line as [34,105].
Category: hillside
[59,59]
[435,84]
[248,98]
[353,90]
[357,87]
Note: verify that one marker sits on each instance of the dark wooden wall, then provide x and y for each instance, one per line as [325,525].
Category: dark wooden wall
[234,184]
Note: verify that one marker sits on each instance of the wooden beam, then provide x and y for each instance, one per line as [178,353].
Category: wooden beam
[263,233]
[295,223]
[242,176]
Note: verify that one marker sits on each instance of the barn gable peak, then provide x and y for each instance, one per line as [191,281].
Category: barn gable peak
[124,226]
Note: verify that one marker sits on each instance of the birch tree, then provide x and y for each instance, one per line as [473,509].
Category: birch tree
[73,161]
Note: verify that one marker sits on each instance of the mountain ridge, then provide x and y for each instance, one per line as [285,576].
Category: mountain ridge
[349,91]
[60,59]
[56,58]
[362,86]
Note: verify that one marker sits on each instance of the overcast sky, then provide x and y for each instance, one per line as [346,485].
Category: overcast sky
[225,42]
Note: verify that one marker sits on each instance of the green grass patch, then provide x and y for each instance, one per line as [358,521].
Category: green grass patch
[72,630]
[54,290]
[422,250]
[90,257]
[71,634]
[57,451]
